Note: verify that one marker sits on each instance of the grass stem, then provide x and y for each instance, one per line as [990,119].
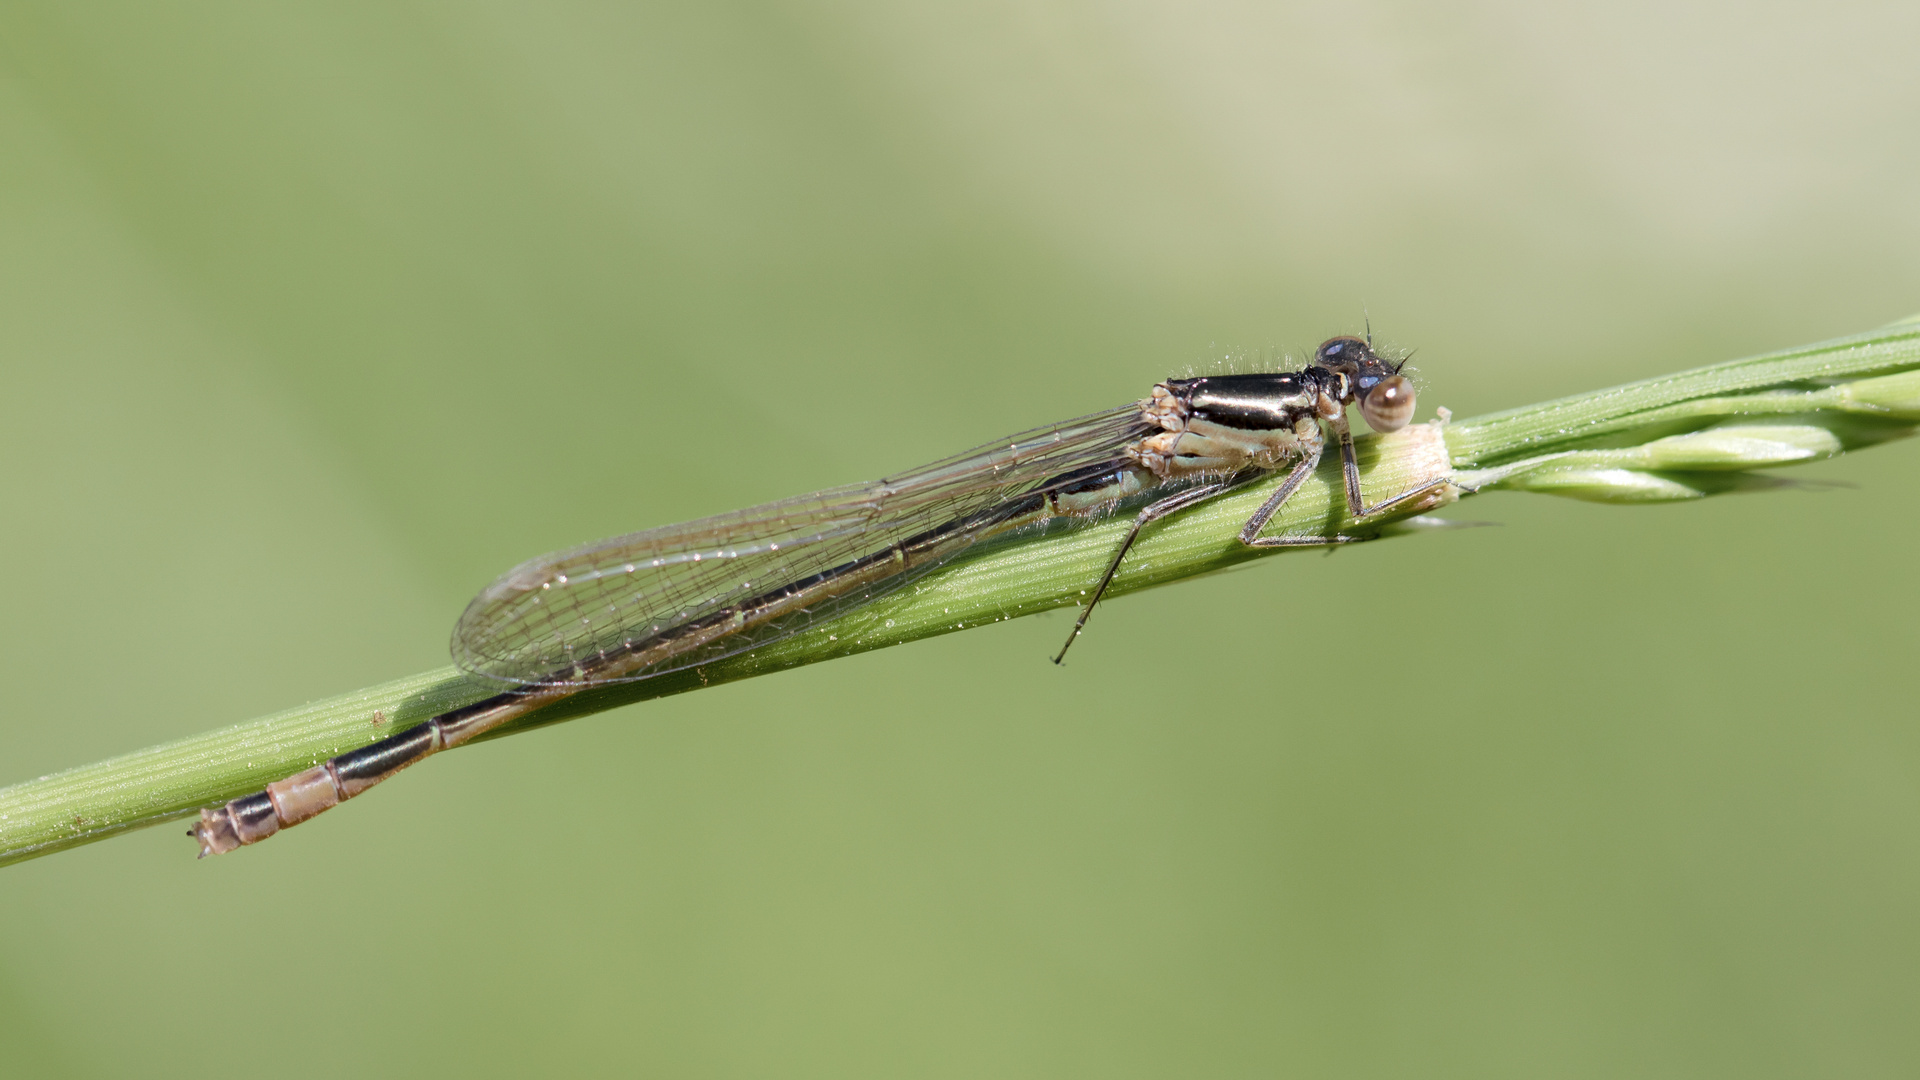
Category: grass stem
[1683,436]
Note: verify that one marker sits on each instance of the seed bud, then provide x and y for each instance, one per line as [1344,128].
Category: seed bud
[1736,446]
[1606,485]
[1896,397]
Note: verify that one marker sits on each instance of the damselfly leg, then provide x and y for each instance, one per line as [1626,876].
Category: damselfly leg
[1164,508]
[1350,465]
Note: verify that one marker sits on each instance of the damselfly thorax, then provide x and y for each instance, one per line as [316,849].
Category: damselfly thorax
[671,598]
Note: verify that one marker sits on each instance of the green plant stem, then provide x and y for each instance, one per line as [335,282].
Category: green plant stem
[1814,399]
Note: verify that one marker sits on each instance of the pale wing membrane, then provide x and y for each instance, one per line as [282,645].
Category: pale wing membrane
[675,597]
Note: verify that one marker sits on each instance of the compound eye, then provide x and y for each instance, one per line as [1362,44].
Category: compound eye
[1389,405]
[1335,350]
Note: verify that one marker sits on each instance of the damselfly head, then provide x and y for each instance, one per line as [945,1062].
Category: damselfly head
[1385,396]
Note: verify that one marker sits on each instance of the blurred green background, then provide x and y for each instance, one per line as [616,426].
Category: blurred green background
[315,317]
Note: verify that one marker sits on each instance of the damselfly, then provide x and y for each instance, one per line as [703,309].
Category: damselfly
[666,599]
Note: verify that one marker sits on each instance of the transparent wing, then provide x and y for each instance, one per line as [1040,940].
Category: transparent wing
[559,618]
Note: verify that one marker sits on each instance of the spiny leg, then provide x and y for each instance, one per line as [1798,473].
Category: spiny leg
[1171,505]
[1250,532]
[1350,466]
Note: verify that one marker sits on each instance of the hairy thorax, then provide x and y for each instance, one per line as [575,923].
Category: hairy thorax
[1224,424]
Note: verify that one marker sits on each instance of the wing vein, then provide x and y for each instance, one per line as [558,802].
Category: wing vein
[673,597]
